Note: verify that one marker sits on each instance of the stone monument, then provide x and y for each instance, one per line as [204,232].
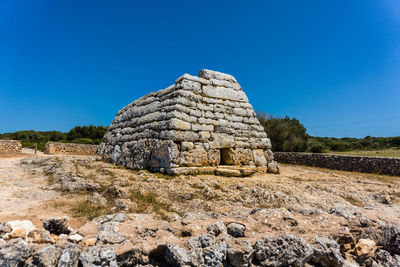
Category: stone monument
[197,125]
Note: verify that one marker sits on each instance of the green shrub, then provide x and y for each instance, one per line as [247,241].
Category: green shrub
[286,134]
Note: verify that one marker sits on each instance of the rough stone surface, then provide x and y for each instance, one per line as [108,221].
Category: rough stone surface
[10,146]
[217,228]
[391,238]
[47,256]
[326,252]
[236,229]
[69,148]
[14,253]
[287,250]
[108,233]
[57,226]
[198,121]
[96,256]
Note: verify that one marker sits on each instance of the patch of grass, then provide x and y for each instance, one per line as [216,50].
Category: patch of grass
[88,210]
[391,152]
[296,179]
[354,201]
[149,199]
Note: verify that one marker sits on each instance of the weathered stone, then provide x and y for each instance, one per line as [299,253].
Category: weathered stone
[69,257]
[194,157]
[108,233]
[236,229]
[210,74]
[57,226]
[365,248]
[96,256]
[47,256]
[14,253]
[326,252]
[20,229]
[287,250]
[259,158]
[391,238]
[97,199]
[177,256]
[216,229]
[273,167]
[5,228]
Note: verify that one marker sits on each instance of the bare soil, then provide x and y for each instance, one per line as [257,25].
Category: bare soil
[300,199]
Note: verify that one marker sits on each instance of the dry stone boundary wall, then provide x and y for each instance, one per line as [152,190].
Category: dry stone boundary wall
[10,146]
[69,148]
[380,165]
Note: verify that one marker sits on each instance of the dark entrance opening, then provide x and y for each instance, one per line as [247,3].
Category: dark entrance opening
[226,157]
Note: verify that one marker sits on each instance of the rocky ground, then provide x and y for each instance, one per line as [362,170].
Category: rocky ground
[70,210]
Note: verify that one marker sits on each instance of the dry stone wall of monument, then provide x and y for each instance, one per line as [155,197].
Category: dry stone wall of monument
[69,148]
[10,146]
[381,165]
[198,121]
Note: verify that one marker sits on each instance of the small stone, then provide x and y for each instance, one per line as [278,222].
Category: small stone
[4,228]
[20,229]
[89,242]
[76,238]
[216,229]
[365,247]
[236,229]
[97,199]
[57,226]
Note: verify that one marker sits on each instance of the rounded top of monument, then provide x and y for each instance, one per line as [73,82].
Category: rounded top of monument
[211,74]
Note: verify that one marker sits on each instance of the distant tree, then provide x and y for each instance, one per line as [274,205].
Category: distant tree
[286,134]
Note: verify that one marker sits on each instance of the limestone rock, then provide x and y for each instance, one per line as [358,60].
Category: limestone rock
[391,238]
[97,199]
[20,229]
[177,256]
[108,233]
[69,257]
[14,253]
[96,256]
[326,252]
[217,228]
[47,256]
[57,226]
[236,229]
[5,228]
[287,250]
[365,247]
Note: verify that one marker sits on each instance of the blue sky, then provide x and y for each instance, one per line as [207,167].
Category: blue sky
[334,65]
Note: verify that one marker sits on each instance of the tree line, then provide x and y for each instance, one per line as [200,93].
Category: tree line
[288,134]
[79,134]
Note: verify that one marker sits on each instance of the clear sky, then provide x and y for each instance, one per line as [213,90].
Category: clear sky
[334,65]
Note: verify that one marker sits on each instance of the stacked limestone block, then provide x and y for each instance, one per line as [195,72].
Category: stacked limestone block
[196,122]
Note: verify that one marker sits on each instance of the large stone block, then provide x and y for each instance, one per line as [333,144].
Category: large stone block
[177,124]
[210,74]
[224,93]
[259,158]
[195,157]
[164,155]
